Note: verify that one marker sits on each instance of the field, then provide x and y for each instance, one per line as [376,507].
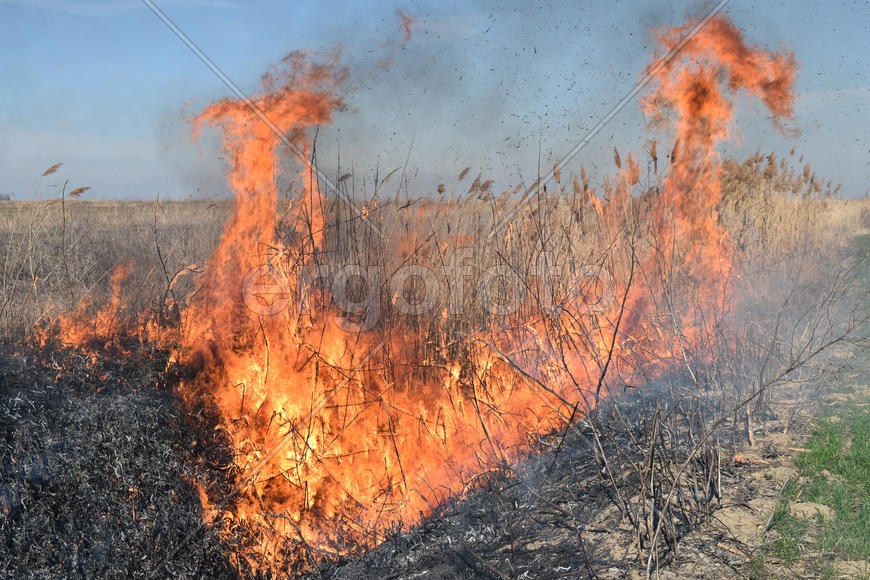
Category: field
[127,424]
[344,378]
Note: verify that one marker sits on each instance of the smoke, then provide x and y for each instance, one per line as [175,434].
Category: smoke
[485,87]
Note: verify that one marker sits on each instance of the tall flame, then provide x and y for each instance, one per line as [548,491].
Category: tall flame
[296,96]
[696,86]
[335,443]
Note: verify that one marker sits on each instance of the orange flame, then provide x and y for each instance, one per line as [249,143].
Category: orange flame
[299,95]
[408,25]
[336,444]
[82,328]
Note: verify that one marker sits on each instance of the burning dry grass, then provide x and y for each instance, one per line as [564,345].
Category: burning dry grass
[55,254]
[356,407]
[566,486]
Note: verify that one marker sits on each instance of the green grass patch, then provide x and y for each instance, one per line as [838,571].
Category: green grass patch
[862,244]
[789,529]
[836,473]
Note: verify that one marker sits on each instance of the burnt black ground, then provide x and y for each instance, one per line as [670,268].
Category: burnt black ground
[548,518]
[98,459]
[96,467]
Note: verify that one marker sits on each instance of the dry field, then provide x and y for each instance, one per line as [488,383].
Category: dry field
[751,394]
[56,253]
[353,381]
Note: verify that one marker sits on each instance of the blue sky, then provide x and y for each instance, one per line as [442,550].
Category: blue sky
[102,86]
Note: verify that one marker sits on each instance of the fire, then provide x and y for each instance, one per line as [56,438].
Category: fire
[336,443]
[295,96]
[694,86]
[85,329]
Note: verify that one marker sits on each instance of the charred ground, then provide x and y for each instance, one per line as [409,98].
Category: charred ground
[98,464]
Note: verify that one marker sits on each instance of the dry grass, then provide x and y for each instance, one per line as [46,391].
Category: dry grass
[57,252]
[790,233]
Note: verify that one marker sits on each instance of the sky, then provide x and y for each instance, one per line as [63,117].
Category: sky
[504,87]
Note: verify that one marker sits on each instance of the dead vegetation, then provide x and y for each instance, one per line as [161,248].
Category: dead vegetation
[102,450]
[57,252]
